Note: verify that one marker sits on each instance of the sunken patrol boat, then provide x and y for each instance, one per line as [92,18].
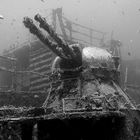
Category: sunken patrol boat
[85,100]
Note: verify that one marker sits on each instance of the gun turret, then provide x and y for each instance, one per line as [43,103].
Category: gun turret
[28,22]
[60,48]
[63,45]
[69,55]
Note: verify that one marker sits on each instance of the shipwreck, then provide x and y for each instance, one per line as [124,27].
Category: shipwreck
[85,99]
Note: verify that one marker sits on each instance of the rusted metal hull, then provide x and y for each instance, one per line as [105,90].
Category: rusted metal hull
[37,124]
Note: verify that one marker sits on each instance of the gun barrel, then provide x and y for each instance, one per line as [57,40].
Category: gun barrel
[34,30]
[64,46]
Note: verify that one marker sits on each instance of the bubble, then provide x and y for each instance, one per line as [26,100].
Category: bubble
[129,53]
[78,1]
[123,13]
[43,0]
[114,2]
[138,31]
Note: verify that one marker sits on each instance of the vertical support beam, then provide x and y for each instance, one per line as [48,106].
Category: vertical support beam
[90,30]
[121,68]
[80,82]
[69,27]
[54,19]
[43,133]
[59,14]
[70,30]
[102,39]
[126,78]
[14,78]
[26,130]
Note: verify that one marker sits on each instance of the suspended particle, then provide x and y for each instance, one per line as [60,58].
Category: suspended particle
[138,31]
[129,53]
[123,13]
[114,2]
[36,96]
[76,19]
[14,20]
[1,17]
[78,1]
[12,23]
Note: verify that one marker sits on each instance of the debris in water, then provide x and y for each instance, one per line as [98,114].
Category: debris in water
[78,1]
[138,31]
[1,17]
[123,13]
[114,2]
[129,53]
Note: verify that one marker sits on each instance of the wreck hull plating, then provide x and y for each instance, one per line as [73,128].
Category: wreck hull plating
[109,125]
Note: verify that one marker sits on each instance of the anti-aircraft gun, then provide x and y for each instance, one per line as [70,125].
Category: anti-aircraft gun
[85,94]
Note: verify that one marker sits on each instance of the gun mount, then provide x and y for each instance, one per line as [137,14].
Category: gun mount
[61,49]
[73,61]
